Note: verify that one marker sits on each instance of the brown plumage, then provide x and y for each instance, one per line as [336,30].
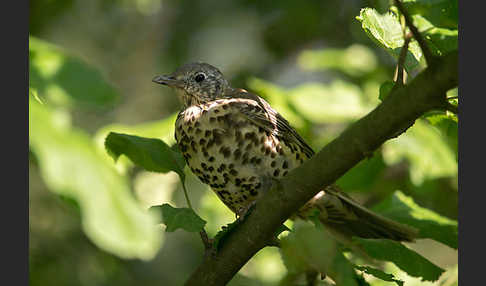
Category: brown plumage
[235,142]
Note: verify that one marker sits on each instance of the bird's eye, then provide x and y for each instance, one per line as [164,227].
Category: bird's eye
[199,77]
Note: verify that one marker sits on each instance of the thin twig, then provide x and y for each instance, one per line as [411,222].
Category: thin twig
[401,61]
[416,34]
[204,236]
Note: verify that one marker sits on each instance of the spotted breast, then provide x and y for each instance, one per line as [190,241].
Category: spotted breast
[231,154]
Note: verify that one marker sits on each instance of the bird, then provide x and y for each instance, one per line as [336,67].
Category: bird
[236,143]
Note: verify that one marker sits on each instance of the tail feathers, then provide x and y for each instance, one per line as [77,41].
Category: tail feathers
[347,218]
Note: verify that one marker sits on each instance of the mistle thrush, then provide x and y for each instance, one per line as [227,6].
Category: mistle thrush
[235,142]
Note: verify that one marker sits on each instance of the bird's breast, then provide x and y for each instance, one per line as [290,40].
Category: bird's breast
[229,152]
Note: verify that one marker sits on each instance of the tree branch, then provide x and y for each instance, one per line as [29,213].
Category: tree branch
[394,115]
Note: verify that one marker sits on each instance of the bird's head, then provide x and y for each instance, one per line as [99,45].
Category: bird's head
[195,83]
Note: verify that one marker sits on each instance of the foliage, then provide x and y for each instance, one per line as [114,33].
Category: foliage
[78,119]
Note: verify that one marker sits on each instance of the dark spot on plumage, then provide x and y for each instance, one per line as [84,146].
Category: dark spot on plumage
[183,147]
[248,147]
[249,135]
[202,141]
[267,133]
[212,119]
[216,110]
[193,145]
[273,155]
[252,179]
[223,167]
[297,156]
[260,129]
[210,143]
[238,135]
[231,166]
[233,172]
[215,178]
[258,161]
[189,129]
[237,154]
[273,164]
[245,197]
[225,106]
[285,173]
[276,172]
[211,159]
[210,169]
[204,166]
[267,151]
[253,160]
[253,192]
[206,154]
[285,165]
[237,182]
[226,151]
[207,133]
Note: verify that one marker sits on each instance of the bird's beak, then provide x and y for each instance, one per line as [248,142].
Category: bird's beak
[168,80]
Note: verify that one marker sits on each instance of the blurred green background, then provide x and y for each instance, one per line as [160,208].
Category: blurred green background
[92,62]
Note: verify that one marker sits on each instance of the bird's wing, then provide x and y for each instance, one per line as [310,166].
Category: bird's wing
[269,119]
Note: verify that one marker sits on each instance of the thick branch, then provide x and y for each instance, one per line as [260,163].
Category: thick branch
[397,112]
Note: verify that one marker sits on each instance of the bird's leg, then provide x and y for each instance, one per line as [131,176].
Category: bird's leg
[243,212]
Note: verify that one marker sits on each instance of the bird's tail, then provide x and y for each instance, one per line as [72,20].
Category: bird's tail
[346,218]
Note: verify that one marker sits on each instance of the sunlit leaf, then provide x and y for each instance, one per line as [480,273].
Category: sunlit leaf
[431,225]
[308,247]
[65,80]
[151,154]
[406,259]
[379,274]
[328,103]
[71,166]
[439,40]
[356,60]
[387,32]
[183,218]
[426,150]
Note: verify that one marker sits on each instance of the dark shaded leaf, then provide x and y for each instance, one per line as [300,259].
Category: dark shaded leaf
[151,154]
[431,225]
[406,259]
[184,218]
[379,274]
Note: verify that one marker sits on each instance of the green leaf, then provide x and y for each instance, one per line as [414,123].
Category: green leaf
[387,32]
[364,175]
[441,13]
[71,166]
[308,247]
[406,259]
[439,40]
[448,126]
[402,208]
[183,218]
[151,154]
[426,150]
[356,60]
[65,80]
[321,103]
[385,89]
[379,274]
